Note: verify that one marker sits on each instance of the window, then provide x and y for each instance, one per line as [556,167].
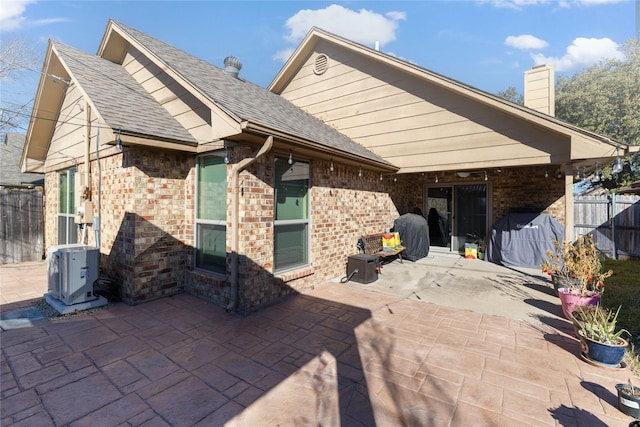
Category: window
[211,214]
[291,225]
[67,231]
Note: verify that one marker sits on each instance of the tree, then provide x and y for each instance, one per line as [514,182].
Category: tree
[16,58]
[605,98]
[511,94]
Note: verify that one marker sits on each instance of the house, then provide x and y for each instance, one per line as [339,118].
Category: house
[190,178]
[10,174]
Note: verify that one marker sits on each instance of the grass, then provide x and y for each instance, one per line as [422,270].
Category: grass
[623,289]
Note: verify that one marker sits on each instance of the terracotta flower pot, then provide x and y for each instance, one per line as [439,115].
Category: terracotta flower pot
[629,404]
[571,301]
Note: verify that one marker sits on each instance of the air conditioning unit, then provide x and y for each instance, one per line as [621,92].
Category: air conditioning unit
[72,271]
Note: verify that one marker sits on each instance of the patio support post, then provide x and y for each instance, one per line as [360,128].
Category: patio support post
[568,202]
[235,217]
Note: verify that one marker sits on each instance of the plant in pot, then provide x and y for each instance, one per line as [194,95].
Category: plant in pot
[629,399]
[601,344]
[577,272]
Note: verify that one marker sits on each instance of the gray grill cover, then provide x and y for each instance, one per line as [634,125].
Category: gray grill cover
[414,234]
[522,239]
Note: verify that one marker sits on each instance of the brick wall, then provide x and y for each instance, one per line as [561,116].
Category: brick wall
[343,207]
[142,233]
[147,230]
[513,188]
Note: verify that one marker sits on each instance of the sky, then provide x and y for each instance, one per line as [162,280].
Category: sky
[487,44]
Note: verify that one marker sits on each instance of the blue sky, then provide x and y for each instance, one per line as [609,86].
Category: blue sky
[487,44]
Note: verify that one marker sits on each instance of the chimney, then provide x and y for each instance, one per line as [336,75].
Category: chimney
[232,66]
[539,89]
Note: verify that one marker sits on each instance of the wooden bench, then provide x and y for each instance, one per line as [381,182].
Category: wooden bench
[373,246]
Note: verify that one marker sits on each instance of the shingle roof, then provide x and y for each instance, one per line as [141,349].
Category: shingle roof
[10,153]
[248,101]
[119,99]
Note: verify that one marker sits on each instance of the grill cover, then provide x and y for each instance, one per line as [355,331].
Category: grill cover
[522,239]
[414,234]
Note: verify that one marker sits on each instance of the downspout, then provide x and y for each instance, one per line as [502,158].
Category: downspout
[96,219]
[86,191]
[87,147]
[235,216]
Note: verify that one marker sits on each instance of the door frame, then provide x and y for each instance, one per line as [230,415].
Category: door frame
[453,241]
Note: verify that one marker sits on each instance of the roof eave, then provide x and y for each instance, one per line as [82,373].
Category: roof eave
[316,146]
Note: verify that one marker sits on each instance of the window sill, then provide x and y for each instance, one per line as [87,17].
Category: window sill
[290,275]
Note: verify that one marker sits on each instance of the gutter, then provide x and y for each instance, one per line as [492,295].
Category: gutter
[235,216]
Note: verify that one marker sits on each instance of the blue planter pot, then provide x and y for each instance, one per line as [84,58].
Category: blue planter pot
[608,355]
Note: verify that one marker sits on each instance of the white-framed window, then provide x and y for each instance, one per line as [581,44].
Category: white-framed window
[211,214]
[291,224]
[67,230]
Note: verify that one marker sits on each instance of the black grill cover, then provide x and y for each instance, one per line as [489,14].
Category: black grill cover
[522,239]
[414,234]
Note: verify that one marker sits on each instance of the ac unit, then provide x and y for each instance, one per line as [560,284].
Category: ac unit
[72,271]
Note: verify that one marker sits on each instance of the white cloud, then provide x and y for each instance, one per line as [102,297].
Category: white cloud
[520,4]
[363,26]
[525,41]
[11,14]
[284,54]
[582,52]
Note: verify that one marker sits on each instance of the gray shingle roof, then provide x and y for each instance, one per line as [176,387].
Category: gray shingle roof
[248,101]
[119,99]
[10,153]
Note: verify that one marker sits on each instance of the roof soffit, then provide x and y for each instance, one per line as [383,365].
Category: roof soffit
[46,109]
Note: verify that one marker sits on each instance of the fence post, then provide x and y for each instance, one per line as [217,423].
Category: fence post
[614,249]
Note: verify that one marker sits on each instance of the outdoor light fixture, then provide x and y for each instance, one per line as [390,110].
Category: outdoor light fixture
[226,155]
[290,161]
[577,178]
[486,177]
[331,166]
[380,176]
[118,142]
[463,174]
[617,164]
[596,174]
[360,172]
[546,174]
[436,180]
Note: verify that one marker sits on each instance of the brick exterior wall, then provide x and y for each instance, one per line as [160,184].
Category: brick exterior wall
[147,230]
[343,207]
[512,188]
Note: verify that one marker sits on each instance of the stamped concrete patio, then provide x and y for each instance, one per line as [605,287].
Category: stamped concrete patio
[398,352]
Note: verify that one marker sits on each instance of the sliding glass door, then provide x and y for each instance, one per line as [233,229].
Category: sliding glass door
[457,214]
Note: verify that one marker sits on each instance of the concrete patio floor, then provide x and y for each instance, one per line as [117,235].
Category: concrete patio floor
[406,350]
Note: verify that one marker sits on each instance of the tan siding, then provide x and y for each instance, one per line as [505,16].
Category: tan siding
[184,107]
[67,142]
[406,119]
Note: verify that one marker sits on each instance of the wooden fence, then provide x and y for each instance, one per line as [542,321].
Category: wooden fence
[21,225]
[613,220]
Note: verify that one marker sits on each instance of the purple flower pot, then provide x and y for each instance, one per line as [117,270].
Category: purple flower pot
[570,302]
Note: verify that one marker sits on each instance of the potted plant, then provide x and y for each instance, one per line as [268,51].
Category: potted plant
[577,269]
[629,399]
[601,343]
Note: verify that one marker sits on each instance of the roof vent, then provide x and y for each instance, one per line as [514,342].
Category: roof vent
[232,66]
[321,64]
